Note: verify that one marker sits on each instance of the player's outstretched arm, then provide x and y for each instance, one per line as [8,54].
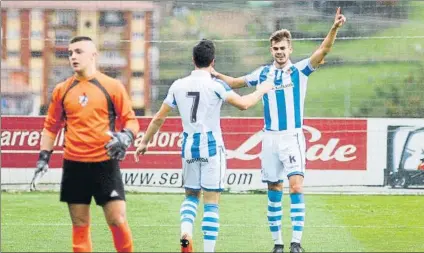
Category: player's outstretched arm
[152,129]
[233,82]
[318,56]
[246,101]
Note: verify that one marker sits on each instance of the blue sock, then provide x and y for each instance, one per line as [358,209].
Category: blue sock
[210,227]
[188,213]
[275,213]
[297,214]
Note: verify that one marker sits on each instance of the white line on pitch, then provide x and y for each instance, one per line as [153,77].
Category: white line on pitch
[223,225]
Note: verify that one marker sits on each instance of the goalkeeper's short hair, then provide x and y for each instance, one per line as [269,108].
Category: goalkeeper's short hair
[80,38]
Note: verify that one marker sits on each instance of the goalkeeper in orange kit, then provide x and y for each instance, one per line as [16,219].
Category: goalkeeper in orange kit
[88,104]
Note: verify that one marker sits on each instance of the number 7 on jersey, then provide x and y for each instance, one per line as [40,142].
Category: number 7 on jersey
[196,98]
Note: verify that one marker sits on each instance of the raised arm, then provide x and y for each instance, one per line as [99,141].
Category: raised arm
[318,56]
[246,101]
[233,82]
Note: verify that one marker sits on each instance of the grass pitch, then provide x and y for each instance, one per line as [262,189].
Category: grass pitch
[334,223]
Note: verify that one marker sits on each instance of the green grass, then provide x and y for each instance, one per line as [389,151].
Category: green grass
[385,49]
[335,90]
[339,91]
[334,223]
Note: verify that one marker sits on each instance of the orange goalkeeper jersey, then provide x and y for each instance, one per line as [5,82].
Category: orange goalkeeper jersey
[88,108]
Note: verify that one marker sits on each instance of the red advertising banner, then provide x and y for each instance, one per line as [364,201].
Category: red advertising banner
[332,144]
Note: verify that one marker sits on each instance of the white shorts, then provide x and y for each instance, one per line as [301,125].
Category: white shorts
[205,173]
[282,154]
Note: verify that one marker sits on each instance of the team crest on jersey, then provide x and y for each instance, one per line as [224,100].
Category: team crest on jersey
[83,100]
[289,71]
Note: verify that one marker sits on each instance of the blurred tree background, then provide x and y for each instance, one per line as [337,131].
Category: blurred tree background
[374,70]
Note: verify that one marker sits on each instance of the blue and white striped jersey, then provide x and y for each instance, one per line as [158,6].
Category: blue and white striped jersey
[199,99]
[283,106]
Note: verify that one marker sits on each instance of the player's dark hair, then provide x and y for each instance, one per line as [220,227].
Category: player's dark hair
[204,53]
[79,38]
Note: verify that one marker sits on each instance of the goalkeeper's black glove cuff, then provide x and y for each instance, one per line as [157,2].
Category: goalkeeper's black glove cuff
[45,155]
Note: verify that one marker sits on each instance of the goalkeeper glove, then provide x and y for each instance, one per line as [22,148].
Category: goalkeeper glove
[118,145]
[43,161]
[41,167]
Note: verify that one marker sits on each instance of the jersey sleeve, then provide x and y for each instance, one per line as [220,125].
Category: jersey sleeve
[54,119]
[170,97]
[124,111]
[223,84]
[222,89]
[252,79]
[305,67]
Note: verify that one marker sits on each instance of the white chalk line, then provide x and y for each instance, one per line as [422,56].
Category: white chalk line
[222,225]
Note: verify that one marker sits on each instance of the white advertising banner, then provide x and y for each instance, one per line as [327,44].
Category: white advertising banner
[339,152]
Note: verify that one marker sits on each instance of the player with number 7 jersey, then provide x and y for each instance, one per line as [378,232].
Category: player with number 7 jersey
[199,98]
